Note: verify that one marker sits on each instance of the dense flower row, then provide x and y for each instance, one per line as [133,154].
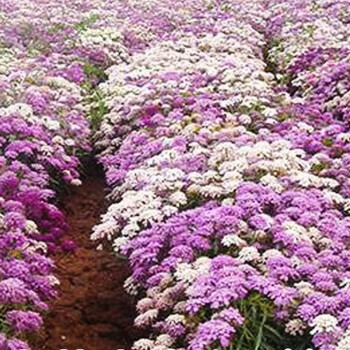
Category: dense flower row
[226,147]
[45,56]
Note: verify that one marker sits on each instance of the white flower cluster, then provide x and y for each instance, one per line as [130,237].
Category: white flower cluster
[344,343]
[188,273]
[324,323]
[162,342]
[107,39]
[136,209]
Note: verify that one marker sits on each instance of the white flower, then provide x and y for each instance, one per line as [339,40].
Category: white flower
[154,292]
[245,119]
[67,158]
[324,323]
[345,137]
[35,246]
[69,142]
[296,262]
[297,232]
[248,254]
[129,230]
[345,283]
[269,112]
[202,264]
[145,304]
[228,201]
[305,127]
[344,343]
[2,221]
[295,327]
[164,340]
[58,140]
[304,288]
[185,273]
[143,344]
[52,125]
[175,319]
[146,318]
[53,280]
[333,196]
[347,205]
[178,198]
[272,182]
[106,229]
[180,307]
[99,247]
[168,210]
[166,280]
[76,182]
[119,242]
[47,150]
[271,253]
[22,109]
[31,226]
[161,347]
[232,240]
[130,286]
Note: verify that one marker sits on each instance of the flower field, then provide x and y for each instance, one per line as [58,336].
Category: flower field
[223,130]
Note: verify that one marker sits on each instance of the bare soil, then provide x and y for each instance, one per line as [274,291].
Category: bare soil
[92,312]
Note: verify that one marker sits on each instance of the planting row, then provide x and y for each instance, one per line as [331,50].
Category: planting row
[225,143]
[50,54]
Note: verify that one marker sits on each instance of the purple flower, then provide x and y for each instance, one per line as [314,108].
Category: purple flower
[24,321]
[210,332]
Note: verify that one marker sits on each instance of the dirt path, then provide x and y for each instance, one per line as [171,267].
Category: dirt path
[92,312]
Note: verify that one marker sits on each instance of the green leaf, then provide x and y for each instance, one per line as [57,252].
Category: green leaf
[273,331]
[260,334]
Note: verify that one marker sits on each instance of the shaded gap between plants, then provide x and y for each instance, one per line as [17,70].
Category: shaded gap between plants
[92,311]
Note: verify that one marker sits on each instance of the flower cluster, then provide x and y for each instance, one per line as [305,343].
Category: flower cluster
[226,144]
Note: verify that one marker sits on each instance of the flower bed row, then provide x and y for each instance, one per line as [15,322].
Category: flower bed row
[48,64]
[226,147]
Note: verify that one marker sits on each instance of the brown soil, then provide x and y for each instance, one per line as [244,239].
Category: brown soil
[92,312]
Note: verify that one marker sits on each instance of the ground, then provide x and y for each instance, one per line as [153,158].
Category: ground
[92,312]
